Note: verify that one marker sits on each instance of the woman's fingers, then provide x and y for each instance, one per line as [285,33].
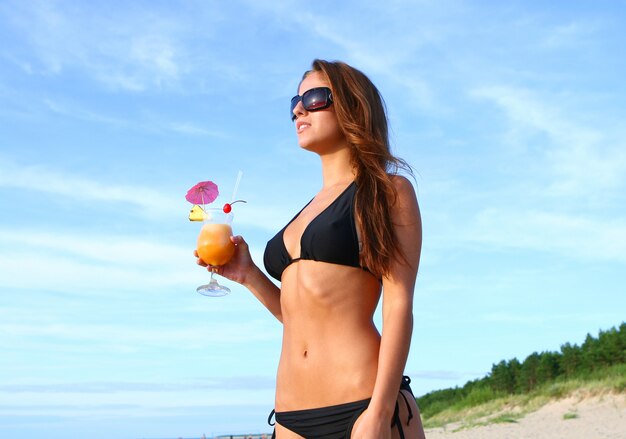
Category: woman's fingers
[238,240]
[198,261]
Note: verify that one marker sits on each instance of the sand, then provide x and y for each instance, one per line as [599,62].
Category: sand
[597,417]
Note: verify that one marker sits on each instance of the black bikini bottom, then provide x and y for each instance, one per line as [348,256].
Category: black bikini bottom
[334,422]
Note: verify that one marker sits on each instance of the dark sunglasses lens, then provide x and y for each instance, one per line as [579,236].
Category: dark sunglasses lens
[294,103]
[315,99]
[312,100]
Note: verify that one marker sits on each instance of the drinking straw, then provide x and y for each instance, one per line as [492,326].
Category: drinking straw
[237,185]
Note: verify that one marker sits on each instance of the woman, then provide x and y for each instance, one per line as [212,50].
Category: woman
[359,238]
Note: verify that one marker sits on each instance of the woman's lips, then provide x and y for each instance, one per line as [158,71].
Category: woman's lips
[301,126]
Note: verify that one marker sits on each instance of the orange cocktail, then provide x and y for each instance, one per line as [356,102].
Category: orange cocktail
[214,245]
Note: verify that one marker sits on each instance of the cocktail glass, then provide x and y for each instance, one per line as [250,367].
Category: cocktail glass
[215,247]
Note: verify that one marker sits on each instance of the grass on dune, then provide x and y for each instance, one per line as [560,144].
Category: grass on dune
[485,407]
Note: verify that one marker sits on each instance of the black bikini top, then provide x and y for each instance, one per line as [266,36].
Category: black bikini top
[330,237]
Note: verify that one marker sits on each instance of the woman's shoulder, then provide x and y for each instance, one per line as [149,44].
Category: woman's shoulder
[402,186]
[404,203]
[405,208]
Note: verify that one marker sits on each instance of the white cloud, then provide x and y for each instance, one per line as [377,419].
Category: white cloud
[100,265]
[49,271]
[24,66]
[118,250]
[43,179]
[192,129]
[574,236]
[582,158]
[119,339]
[136,403]
[122,51]
[156,53]
[574,35]
[147,201]
[74,111]
[385,51]
[81,114]
[551,319]
[66,262]
[241,382]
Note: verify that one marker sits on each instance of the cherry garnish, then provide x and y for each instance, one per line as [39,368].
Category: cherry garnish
[229,206]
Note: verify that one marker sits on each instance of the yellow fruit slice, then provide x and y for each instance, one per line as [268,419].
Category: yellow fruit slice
[197,213]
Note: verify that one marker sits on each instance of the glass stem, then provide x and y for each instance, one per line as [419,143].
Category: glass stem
[213,281]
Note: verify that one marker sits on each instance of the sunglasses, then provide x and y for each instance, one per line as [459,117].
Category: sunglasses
[312,100]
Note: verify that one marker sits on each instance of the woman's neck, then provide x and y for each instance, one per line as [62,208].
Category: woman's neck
[337,168]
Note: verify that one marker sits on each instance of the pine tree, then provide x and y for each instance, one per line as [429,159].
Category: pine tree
[528,373]
[548,367]
[570,360]
[504,376]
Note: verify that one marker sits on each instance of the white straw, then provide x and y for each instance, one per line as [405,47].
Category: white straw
[237,185]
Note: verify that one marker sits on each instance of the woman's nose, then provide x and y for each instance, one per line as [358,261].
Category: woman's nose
[298,110]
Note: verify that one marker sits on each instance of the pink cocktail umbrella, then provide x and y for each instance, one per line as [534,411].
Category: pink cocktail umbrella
[203,193]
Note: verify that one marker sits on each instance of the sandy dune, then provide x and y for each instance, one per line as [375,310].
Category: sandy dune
[599,417]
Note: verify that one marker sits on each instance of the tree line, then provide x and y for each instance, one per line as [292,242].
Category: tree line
[514,377]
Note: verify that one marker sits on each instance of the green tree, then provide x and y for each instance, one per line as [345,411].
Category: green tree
[504,376]
[528,373]
[590,354]
[610,348]
[570,360]
[548,367]
[621,344]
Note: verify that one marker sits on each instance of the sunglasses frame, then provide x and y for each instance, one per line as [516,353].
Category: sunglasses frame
[328,100]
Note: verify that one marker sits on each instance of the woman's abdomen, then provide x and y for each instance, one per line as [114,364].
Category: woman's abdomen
[330,344]
[326,366]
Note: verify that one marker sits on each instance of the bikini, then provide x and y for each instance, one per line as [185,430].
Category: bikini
[336,421]
[330,237]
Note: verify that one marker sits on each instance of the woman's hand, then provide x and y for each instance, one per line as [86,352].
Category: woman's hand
[238,267]
[369,426]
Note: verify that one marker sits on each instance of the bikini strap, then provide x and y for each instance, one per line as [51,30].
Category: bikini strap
[406,381]
[269,421]
[397,422]
[408,407]
[406,385]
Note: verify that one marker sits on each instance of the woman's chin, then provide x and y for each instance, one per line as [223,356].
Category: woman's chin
[322,147]
[308,146]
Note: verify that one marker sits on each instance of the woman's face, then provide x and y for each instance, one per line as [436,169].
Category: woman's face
[318,131]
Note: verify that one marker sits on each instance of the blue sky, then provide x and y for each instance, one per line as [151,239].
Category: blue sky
[512,115]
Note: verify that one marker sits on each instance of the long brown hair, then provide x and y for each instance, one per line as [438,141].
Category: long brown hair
[362,115]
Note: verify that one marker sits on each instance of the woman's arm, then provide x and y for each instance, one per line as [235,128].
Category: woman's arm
[264,290]
[242,269]
[397,309]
